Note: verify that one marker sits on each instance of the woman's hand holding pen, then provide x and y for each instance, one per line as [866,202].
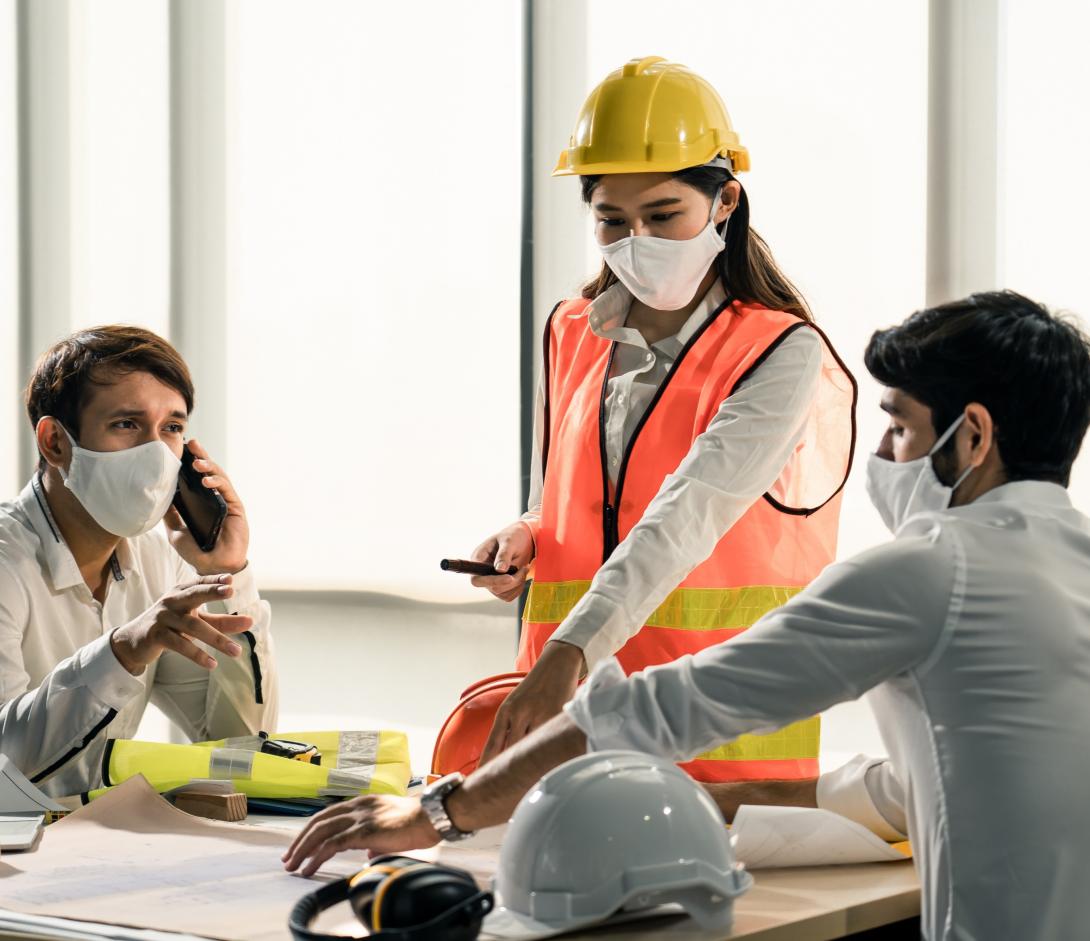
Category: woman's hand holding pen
[512,546]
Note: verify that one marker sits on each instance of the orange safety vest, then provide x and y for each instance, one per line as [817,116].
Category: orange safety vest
[777,547]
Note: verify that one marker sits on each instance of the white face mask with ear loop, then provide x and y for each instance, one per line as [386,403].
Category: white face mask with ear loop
[665,273]
[899,490]
[126,492]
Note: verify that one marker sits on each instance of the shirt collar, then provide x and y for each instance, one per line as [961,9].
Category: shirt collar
[63,570]
[1027,491]
[608,312]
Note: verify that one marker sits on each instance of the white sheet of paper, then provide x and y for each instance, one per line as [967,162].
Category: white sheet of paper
[15,925]
[131,858]
[771,837]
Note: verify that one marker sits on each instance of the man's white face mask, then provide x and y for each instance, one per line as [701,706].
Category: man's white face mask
[126,492]
[900,490]
[665,273]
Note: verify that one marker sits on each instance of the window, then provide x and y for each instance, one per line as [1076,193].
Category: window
[11,412]
[1044,186]
[373,379]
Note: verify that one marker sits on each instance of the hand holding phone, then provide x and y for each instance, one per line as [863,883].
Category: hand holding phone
[506,556]
[201,508]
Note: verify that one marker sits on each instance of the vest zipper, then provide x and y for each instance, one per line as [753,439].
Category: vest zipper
[609,511]
[609,531]
[610,521]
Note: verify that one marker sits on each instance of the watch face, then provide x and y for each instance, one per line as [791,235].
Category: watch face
[446,784]
[432,801]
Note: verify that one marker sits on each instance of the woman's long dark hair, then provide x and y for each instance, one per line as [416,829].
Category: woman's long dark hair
[746,267]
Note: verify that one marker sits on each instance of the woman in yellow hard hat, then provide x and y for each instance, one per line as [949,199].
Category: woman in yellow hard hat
[694,427]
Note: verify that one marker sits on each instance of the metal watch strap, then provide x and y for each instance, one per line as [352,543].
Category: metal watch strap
[433,801]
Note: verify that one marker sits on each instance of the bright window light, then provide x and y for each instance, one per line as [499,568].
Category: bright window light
[374,398]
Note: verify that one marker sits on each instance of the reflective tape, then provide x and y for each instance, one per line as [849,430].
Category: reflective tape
[231,763]
[799,740]
[702,609]
[684,609]
[357,749]
[244,742]
[345,783]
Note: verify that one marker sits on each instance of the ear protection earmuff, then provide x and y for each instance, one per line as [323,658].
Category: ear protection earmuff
[401,899]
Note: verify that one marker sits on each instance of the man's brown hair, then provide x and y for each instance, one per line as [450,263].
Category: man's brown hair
[60,382]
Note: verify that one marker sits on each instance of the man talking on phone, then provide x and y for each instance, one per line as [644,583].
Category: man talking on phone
[102,610]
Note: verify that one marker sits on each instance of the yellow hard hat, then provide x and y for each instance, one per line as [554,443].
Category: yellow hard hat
[651,116]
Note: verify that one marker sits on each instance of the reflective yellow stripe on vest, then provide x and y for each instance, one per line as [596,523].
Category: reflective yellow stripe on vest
[702,609]
[798,740]
[685,609]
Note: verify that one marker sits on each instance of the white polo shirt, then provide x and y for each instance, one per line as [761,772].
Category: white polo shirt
[971,630]
[62,690]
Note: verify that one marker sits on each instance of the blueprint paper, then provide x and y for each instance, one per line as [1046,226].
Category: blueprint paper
[130,858]
[771,837]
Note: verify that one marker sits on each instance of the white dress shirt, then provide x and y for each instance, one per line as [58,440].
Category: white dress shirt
[971,632]
[62,690]
[729,467]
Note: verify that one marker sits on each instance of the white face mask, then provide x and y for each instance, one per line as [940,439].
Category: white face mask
[126,492]
[900,490]
[665,273]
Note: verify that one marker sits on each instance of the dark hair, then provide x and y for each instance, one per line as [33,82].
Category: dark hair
[746,266]
[1028,368]
[59,384]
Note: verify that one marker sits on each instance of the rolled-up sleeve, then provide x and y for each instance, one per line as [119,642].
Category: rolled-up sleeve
[867,791]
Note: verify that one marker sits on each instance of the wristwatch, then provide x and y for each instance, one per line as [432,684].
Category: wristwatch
[433,801]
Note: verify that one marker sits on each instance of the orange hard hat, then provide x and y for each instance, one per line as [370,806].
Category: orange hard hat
[462,737]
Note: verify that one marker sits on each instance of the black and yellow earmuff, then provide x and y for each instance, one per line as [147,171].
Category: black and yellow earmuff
[401,899]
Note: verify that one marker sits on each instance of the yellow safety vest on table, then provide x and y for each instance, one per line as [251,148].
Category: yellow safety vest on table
[352,763]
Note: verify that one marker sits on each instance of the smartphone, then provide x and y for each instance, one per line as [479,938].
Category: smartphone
[202,509]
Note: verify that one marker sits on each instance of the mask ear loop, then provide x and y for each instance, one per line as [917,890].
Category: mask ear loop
[941,442]
[946,436]
[961,480]
[716,203]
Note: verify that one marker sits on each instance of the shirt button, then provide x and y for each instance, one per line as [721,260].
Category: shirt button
[620,400]
[649,357]
[614,462]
